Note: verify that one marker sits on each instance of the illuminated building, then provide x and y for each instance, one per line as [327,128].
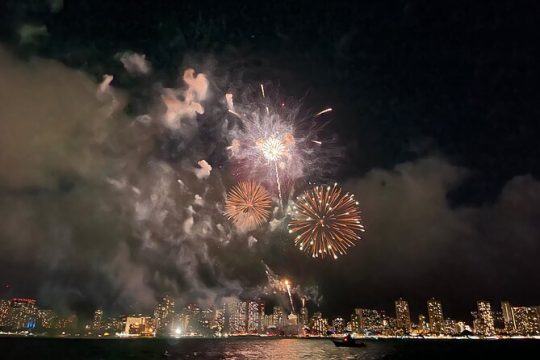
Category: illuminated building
[508,317]
[192,321]
[355,326]
[278,317]
[450,327]
[292,319]
[461,327]
[484,322]
[236,319]
[435,315]
[268,322]
[22,314]
[422,324]
[68,322]
[98,319]
[46,318]
[218,325]
[253,317]
[164,316]
[319,325]
[261,327]
[115,324]
[5,305]
[370,321]
[138,325]
[241,317]
[304,314]
[403,315]
[527,320]
[338,324]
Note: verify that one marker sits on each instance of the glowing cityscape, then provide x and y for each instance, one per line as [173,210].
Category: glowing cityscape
[22,316]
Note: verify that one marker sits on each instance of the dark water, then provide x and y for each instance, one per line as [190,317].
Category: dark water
[243,348]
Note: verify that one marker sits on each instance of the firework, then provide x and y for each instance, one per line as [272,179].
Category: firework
[274,145]
[248,205]
[288,287]
[325,222]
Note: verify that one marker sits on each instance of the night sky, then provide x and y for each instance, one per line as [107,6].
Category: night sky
[436,118]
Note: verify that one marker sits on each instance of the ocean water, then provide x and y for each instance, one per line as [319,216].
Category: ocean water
[262,348]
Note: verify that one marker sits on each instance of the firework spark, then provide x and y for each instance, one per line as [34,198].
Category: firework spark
[288,287]
[325,222]
[248,205]
[323,112]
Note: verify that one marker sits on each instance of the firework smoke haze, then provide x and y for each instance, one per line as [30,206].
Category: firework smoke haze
[185,103]
[134,63]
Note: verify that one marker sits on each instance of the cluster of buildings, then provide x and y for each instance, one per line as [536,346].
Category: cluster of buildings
[236,317]
[22,315]
[510,321]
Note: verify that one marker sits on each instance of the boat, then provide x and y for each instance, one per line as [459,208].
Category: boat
[348,341]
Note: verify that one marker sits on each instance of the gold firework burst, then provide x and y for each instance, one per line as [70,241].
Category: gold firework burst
[325,222]
[248,205]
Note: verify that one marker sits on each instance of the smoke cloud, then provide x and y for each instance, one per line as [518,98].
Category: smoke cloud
[135,64]
[89,192]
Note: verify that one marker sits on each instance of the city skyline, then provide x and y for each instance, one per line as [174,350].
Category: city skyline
[240,317]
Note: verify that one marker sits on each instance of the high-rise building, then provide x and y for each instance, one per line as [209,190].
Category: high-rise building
[508,317]
[241,318]
[435,314]
[261,327]
[304,315]
[279,317]
[5,305]
[98,319]
[268,322]
[422,324]
[236,316]
[218,326]
[338,324]
[403,315]
[22,314]
[164,316]
[355,326]
[527,320]
[485,323]
[192,320]
[319,325]
[370,321]
[253,317]
[46,318]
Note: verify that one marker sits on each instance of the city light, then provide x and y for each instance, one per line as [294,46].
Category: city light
[237,317]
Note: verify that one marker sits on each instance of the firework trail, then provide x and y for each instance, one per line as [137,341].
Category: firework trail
[325,221]
[322,112]
[288,287]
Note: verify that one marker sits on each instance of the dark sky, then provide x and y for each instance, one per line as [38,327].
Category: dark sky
[435,108]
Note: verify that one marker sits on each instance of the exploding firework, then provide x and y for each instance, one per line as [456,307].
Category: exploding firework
[248,205]
[274,145]
[325,222]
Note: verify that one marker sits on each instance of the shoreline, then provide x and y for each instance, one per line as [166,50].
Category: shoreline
[244,337]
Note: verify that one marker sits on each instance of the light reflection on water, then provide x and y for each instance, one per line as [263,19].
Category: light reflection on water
[274,349]
[26,348]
